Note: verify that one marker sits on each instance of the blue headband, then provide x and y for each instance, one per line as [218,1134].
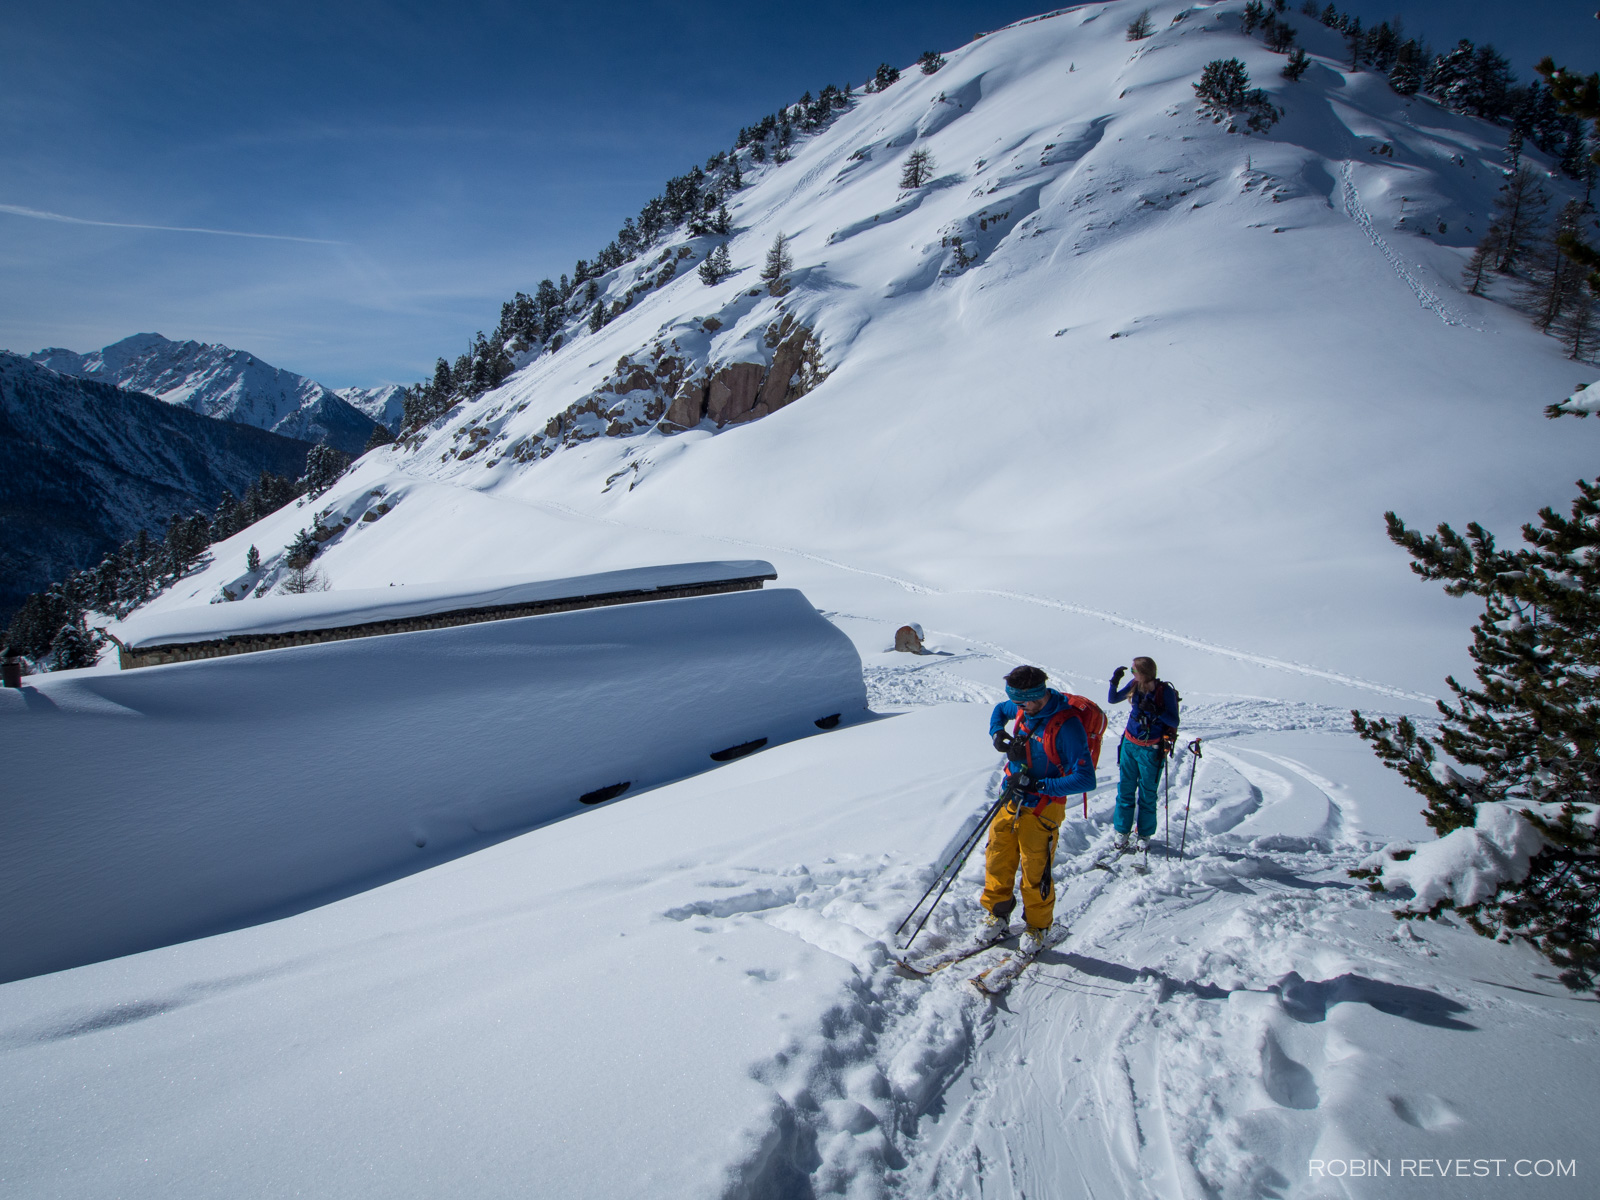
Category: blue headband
[1023,695]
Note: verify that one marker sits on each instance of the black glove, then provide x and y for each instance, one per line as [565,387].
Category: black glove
[1020,781]
[1002,742]
[1116,676]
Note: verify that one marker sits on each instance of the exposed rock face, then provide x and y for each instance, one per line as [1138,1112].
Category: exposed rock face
[632,400]
[796,367]
[747,391]
[664,390]
[688,406]
[733,392]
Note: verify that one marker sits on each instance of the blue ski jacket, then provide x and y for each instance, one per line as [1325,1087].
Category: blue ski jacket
[1076,772]
[1154,713]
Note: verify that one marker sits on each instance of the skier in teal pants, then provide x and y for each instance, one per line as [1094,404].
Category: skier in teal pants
[1151,731]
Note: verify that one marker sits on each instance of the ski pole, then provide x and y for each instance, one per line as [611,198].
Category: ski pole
[1166,804]
[1194,749]
[950,870]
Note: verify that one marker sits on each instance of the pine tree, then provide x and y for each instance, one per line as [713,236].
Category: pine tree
[597,318]
[1529,733]
[1355,40]
[1578,98]
[717,266]
[34,626]
[252,559]
[1576,326]
[74,647]
[883,77]
[1405,77]
[1224,90]
[301,551]
[1297,64]
[779,263]
[1280,36]
[1519,212]
[299,580]
[380,436]
[931,61]
[1254,13]
[225,520]
[1553,278]
[918,170]
[1140,27]
[1484,257]
[324,466]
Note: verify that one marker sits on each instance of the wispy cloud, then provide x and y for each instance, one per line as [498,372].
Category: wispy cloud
[39,215]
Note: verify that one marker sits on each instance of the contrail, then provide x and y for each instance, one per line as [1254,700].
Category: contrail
[38,215]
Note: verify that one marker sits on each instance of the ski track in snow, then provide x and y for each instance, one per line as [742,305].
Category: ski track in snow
[1110,618]
[913,1087]
[1425,295]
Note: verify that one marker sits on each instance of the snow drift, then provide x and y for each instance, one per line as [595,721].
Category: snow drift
[363,606]
[168,803]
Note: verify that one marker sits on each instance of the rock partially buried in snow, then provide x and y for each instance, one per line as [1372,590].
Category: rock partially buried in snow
[908,638]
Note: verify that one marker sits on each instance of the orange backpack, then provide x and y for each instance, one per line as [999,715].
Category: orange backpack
[1093,719]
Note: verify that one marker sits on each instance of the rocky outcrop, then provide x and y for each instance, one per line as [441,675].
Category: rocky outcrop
[633,399]
[908,640]
[687,407]
[747,391]
[733,392]
[663,390]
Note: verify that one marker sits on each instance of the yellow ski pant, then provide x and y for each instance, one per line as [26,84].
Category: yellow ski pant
[1021,836]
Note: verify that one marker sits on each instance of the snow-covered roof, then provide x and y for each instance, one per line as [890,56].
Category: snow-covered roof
[275,614]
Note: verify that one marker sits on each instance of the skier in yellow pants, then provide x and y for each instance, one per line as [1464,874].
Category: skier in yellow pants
[1048,758]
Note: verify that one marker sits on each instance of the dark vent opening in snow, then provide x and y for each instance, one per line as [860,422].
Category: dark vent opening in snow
[601,795]
[830,721]
[739,751]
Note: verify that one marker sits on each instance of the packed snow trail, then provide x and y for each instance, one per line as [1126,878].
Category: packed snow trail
[1426,296]
[1209,1030]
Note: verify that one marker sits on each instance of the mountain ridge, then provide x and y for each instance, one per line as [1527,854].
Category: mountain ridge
[1098,285]
[231,385]
[91,464]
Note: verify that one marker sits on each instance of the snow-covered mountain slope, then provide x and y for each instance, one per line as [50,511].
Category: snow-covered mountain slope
[1180,380]
[88,465]
[1161,413]
[231,385]
[690,994]
[385,404]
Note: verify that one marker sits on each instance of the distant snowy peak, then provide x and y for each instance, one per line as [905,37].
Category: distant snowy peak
[217,381]
[383,404]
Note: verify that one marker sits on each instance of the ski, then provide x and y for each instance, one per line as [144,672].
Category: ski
[997,980]
[921,968]
[1111,858]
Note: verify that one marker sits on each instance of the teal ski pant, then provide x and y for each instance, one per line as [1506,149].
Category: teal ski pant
[1138,773]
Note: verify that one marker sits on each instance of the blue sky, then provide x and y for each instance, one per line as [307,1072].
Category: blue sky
[426,160]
